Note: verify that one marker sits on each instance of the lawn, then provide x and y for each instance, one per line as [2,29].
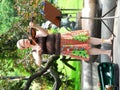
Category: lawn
[70,4]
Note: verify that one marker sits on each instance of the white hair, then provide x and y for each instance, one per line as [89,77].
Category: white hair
[18,44]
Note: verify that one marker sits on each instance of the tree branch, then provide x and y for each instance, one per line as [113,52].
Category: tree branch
[38,74]
[57,82]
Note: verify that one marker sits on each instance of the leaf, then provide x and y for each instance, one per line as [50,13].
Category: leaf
[80,52]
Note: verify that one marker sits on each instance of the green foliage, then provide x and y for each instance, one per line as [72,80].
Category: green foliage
[71,76]
[82,37]
[81,52]
[13,61]
[7,15]
[12,68]
[12,85]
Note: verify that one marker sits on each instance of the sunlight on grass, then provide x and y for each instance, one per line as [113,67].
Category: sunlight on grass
[70,4]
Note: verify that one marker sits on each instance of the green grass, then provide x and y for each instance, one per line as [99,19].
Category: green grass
[68,4]
[72,4]
[71,74]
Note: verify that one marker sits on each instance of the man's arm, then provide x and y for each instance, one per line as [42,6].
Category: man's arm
[41,30]
[36,52]
[38,58]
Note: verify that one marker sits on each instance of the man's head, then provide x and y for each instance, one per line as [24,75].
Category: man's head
[23,43]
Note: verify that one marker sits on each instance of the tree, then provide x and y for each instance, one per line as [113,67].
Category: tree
[7,15]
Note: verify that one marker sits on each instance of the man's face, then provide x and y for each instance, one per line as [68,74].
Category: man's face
[24,43]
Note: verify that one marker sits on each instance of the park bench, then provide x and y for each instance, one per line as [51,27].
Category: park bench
[108,76]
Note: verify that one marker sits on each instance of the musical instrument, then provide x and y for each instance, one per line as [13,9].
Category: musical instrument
[32,34]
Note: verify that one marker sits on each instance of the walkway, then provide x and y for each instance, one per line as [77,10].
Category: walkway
[89,71]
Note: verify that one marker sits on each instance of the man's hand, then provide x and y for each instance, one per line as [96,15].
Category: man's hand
[32,25]
[37,55]
[37,48]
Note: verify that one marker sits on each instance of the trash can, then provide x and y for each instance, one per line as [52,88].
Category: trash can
[107,76]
